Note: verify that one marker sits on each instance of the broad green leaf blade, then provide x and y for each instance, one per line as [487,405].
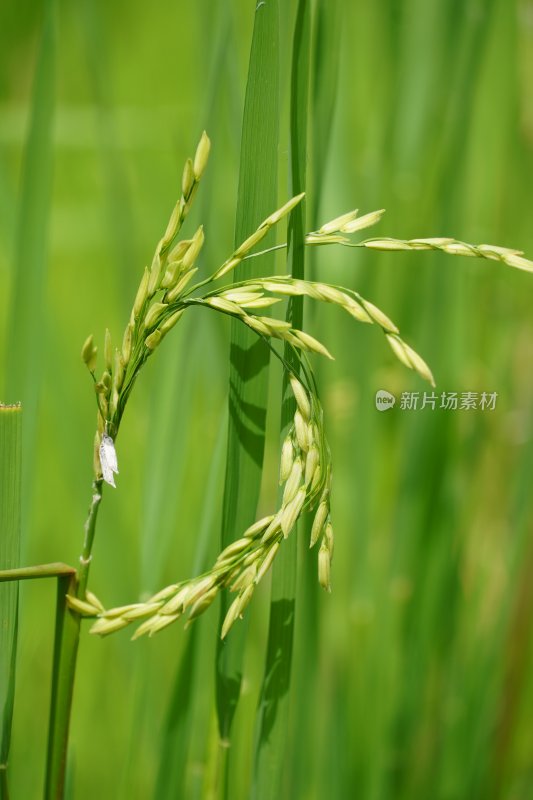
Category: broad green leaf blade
[10,511]
[324,91]
[177,731]
[271,763]
[325,56]
[118,212]
[23,354]
[249,357]
[26,319]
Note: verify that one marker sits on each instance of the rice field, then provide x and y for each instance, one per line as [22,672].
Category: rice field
[412,678]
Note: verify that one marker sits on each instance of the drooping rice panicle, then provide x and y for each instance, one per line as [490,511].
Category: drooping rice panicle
[246,561]
[454,247]
[285,286]
[165,293]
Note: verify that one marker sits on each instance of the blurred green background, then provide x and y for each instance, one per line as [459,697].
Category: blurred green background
[415,679]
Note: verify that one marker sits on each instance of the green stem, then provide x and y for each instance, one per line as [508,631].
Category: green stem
[10,524]
[64,667]
[55,570]
[90,528]
[4,788]
[68,624]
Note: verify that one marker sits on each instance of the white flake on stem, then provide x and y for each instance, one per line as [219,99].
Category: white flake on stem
[108,459]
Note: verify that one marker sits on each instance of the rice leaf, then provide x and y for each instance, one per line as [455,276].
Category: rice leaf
[257,197]
[324,91]
[24,334]
[119,216]
[176,734]
[23,355]
[271,762]
[325,69]
[10,513]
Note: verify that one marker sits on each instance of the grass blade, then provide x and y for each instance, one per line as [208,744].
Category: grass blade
[272,719]
[10,512]
[325,68]
[118,212]
[24,354]
[324,63]
[175,739]
[257,197]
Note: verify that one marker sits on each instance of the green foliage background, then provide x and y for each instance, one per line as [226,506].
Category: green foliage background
[414,678]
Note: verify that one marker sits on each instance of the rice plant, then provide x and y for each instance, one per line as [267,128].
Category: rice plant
[367,733]
[165,293]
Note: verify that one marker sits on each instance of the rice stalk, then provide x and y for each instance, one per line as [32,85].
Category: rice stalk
[10,515]
[55,570]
